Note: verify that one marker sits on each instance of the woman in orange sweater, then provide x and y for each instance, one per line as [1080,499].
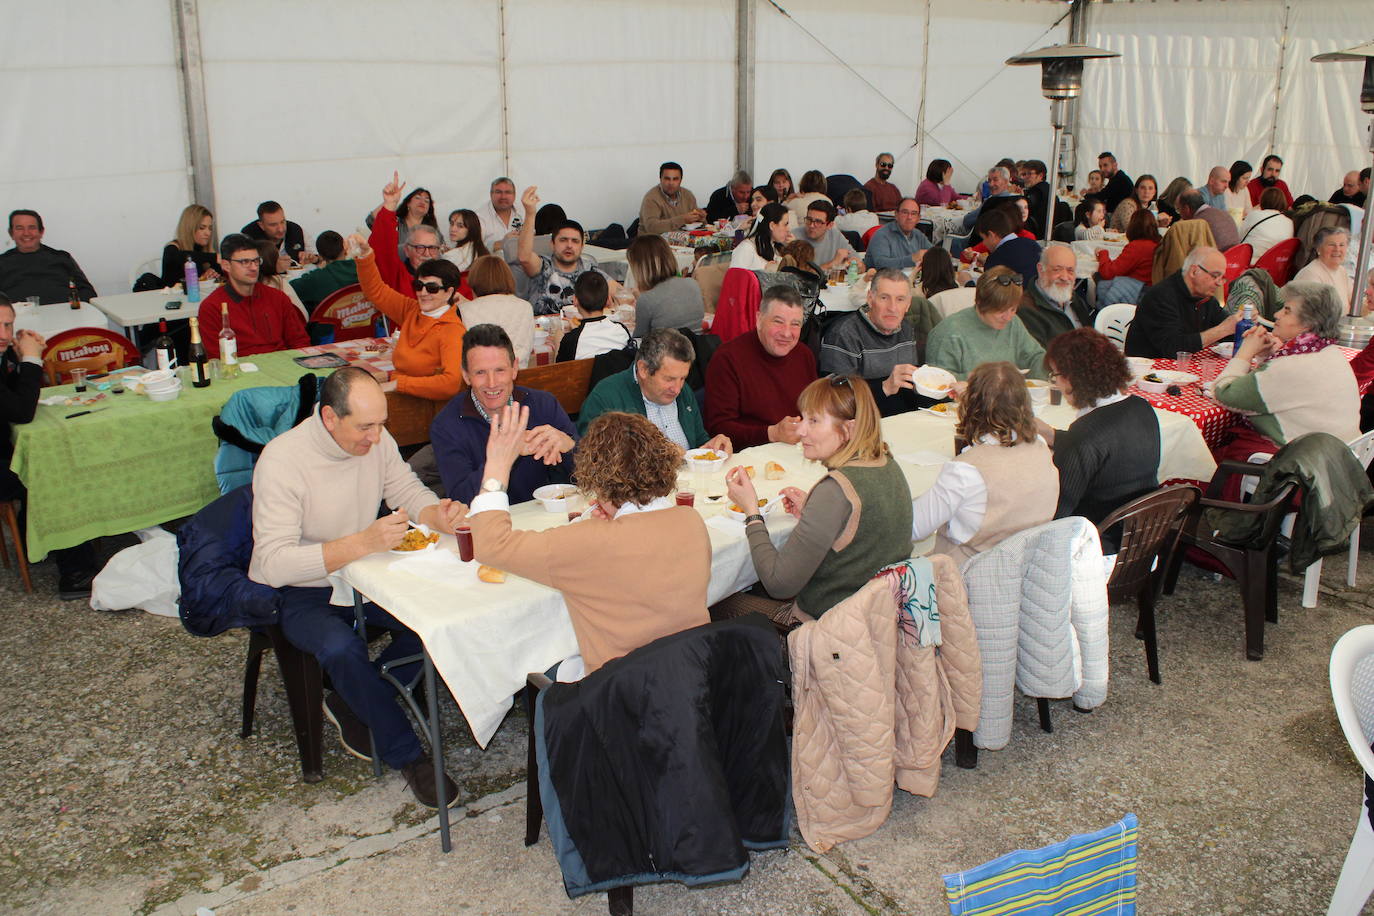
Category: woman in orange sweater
[1124,278]
[429,355]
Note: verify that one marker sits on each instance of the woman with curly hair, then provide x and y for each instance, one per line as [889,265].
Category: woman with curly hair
[628,469]
[1002,482]
[830,554]
[1109,455]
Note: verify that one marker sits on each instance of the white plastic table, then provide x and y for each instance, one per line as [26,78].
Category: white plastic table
[57,317]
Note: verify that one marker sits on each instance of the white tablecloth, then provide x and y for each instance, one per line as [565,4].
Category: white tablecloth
[944,221]
[685,258]
[841,298]
[129,310]
[484,639]
[58,316]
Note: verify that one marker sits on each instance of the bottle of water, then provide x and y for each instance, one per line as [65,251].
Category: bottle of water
[852,274]
[1247,321]
[192,281]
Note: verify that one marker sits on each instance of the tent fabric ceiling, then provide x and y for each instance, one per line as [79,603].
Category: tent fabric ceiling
[586,100]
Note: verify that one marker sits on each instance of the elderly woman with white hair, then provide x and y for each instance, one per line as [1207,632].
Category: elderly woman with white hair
[1303,384]
[1328,266]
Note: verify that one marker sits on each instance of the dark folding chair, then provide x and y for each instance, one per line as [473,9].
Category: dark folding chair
[1150,530]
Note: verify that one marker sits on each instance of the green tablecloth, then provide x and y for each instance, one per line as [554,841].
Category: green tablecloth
[130,466]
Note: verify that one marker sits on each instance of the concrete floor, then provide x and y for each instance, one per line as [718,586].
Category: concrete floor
[133,792]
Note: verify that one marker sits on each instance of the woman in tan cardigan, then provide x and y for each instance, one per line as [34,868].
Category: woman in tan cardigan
[636,567]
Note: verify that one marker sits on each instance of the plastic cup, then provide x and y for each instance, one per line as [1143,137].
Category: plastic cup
[1056,396]
[79,379]
[464,533]
[686,497]
[1183,359]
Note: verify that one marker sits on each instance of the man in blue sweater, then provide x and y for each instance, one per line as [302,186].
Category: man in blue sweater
[459,433]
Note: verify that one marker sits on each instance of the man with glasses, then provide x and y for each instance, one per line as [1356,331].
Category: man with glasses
[423,244]
[899,244]
[290,237]
[1181,313]
[819,231]
[885,194]
[263,318]
[1050,306]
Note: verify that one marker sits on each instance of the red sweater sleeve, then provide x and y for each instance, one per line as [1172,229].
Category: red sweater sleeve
[384,241]
[1363,365]
[1136,257]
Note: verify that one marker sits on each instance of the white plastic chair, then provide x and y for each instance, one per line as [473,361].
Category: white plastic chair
[1352,691]
[953,300]
[150,266]
[1363,447]
[1114,321]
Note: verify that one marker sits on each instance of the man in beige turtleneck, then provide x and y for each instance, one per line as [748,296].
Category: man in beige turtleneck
[316,492]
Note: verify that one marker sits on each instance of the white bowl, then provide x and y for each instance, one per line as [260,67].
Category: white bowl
[170,394]
[555,496]
[1152,387]
[741,516]
[933,382]
[157,377]
[1139,365]
[1039,391]
[698,459]
[1226,348]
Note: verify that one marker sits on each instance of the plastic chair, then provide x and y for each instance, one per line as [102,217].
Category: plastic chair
[1114,321]
[953,300]
[868,234]
[348,311]
[150,266]
[1238,260]
[1150,530]
[1254,567]
[1352,692]
[1278,261]
[93,349]
[737,312]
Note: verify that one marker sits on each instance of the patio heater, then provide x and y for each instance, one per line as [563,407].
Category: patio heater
[1061,79]
[1354,331]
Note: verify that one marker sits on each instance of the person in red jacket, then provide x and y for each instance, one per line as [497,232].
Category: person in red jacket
[423,244]
[263,318]
[753,381]
[1124,278]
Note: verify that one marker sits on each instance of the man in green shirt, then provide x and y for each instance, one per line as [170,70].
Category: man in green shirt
[334,273]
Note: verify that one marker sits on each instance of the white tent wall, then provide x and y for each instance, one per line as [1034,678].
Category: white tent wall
[814,112]
[602,92]
[1196,86]
[315,106]
[94,138]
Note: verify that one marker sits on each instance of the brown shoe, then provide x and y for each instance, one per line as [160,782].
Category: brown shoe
[419,775]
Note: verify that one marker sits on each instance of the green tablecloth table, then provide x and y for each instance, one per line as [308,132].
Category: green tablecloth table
[129,466]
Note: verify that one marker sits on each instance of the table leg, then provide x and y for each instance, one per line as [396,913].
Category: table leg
[360,626]
[436,749]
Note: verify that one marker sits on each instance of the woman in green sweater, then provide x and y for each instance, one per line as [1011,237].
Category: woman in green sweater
[989,332]
[829,555]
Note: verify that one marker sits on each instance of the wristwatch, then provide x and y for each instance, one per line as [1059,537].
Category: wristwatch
[492,485]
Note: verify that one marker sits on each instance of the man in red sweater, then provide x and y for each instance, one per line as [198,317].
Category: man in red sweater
[263,319]
[753,381]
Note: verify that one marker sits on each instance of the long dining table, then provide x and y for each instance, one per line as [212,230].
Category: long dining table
[483,638]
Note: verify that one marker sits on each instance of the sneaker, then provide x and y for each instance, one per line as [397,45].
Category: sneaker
[353,734]
[419,776]
[74,586]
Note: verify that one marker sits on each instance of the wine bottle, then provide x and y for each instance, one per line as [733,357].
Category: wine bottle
[228,345]
[200,369]
[164,348]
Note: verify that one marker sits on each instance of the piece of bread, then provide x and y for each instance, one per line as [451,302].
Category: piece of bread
[749,469]
[774,471]
[491,574]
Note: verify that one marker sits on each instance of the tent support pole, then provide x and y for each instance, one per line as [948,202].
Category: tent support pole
[197,120]
[746,27]
[501,78]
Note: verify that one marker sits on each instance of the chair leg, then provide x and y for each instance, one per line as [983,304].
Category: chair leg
[534,805]
[965,751]
[1043,705]
[1252,580]
[12,518]
[620,901]
[300,672]
[1354,557]
[1311,582]
[258,643]
[1357,875]
[1271,585]
[1145,626]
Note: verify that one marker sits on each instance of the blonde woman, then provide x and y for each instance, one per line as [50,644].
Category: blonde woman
[195,239]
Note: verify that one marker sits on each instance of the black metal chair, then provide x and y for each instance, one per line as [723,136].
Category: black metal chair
[1150,530]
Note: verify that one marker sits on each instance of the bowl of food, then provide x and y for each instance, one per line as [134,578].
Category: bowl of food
[706,460]
[1152,383]
[1039,391]
[933,382]
[738,513]
[555,497]
[416,540]
[1225,348]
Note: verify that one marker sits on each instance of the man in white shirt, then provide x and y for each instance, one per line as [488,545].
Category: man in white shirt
[498,217]
[596,334]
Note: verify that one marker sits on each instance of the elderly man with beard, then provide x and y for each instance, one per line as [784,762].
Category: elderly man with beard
[1050,306]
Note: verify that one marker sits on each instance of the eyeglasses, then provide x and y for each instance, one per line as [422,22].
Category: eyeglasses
[244,262]
[812,221]
[1013,280]
[423,248]
[838,381]
[430,288]
[908,212]
[1214,274]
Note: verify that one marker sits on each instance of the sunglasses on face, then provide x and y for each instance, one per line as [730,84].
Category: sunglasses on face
[431,288]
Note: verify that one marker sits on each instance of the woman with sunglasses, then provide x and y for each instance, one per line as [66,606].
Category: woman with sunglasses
[1002,482]
[429,354]
[988,332]
[830,554]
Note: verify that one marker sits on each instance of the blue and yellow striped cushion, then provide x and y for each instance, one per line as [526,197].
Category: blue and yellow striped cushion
[1087,874]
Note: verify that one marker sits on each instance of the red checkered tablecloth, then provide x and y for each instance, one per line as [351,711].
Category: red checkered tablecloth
[1212,419]
[370,353]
